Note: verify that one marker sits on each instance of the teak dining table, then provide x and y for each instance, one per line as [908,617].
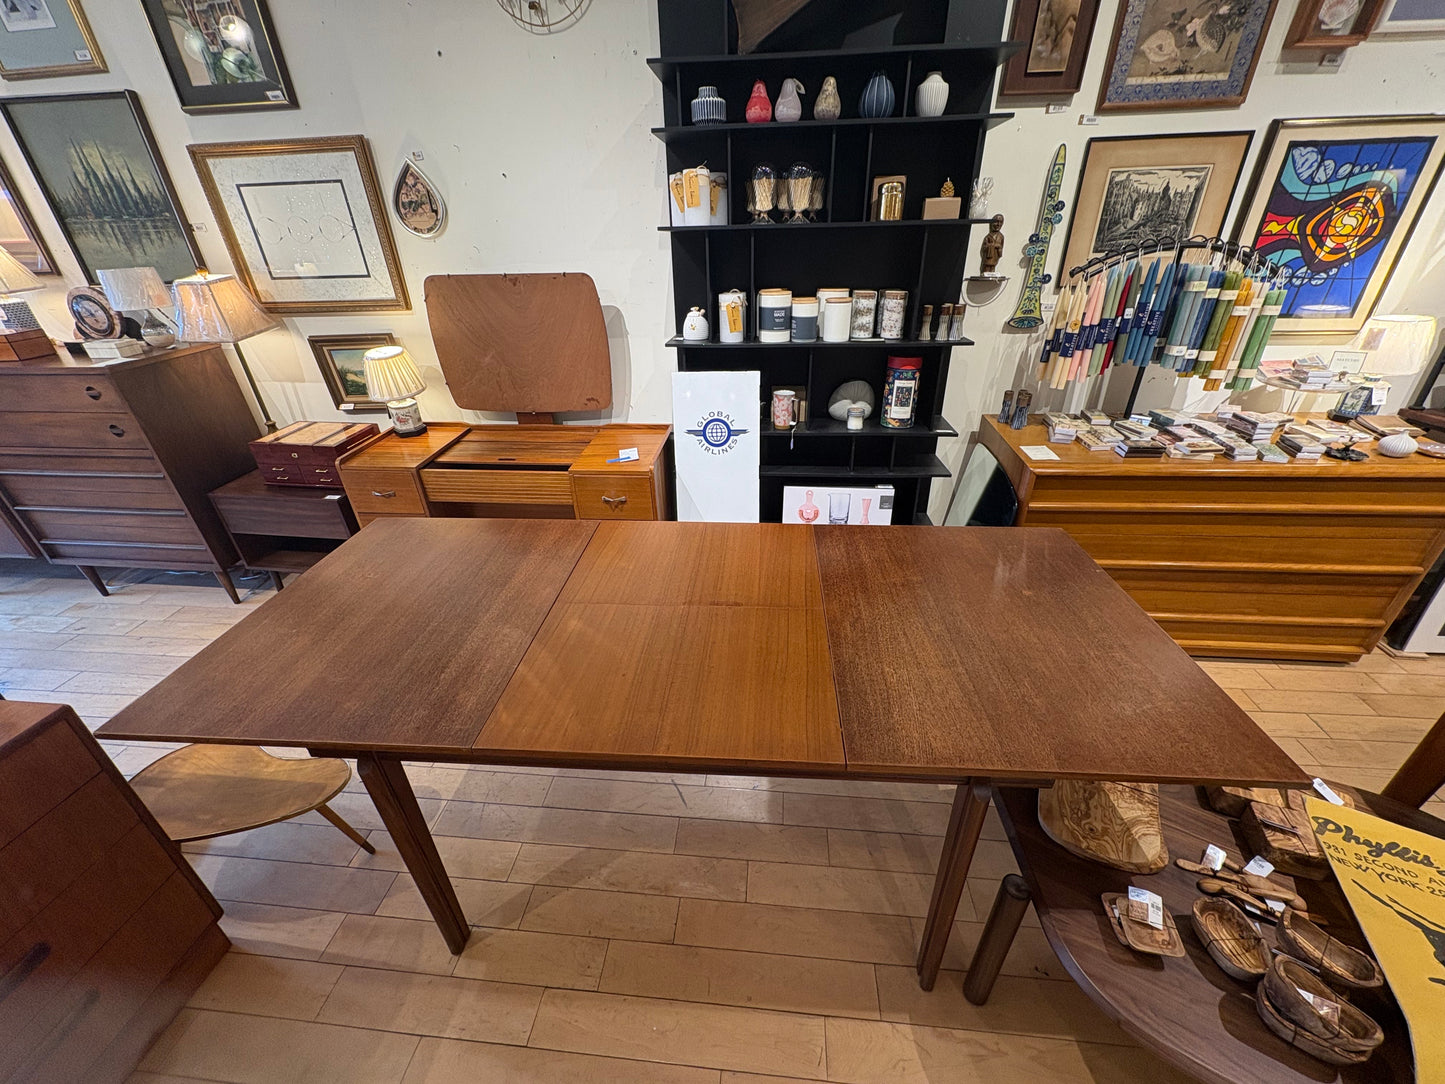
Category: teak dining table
[951,655]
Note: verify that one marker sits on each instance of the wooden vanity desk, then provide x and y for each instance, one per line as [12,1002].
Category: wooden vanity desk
[1297,560]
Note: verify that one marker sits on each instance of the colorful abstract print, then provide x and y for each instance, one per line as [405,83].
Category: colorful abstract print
[1331,213]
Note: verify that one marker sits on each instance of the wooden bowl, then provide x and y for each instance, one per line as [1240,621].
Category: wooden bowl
[1231,939]
[1336,961]
[1297,1037]
[1140,936]
[1286,984]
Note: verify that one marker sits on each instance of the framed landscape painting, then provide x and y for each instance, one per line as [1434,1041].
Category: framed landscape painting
[339,359]
[305,223]
[1332,204]
[1411,17]
[40,39]
[1056,36]
[97,163]
[18,235]
[1136,189]
[222,55]
[1183,54]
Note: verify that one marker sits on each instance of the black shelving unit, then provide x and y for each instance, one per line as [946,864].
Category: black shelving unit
[843,249]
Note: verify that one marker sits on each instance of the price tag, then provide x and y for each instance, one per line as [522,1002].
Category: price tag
[1056,107]
[1277,906]
[83,55]
[1377,395]
[693,193]
[1088,120]
[275,96]
[625,455]
[1326,792]
[1038,451]
[1259,867]
[1214,857]
[1152,902]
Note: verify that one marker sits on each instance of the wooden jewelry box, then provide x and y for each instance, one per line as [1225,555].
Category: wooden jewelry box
[306,453]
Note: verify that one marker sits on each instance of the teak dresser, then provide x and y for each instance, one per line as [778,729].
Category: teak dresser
[1296,560]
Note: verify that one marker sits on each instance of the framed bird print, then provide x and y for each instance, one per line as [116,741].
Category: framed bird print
[1332,204]
[1183,54]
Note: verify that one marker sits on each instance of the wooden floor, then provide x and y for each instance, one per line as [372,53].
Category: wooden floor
[629,927]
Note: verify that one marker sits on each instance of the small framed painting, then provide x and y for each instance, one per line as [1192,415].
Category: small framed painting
[18,235]
[40,39]
[1138,189]
[339,359]
[305,223]
[1331,25]
[1183,54]
[1332,204]
[1056,36]
[222,55]
[1411,17]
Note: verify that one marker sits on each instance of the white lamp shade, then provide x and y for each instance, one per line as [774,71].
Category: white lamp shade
[217,309]
[391,375]
[130,289]
[1396,345]
[15,277]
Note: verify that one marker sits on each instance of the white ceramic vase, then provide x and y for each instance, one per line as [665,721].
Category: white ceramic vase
[932,95]
[1397,446]
[790,106]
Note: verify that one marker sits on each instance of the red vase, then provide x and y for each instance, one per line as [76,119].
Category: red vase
[759,110]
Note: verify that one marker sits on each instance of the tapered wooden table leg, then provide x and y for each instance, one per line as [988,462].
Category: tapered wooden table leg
[998,936]
[970,804]
[391,791]
[1423,772]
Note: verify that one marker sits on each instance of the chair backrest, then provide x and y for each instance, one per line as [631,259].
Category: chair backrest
[984,496]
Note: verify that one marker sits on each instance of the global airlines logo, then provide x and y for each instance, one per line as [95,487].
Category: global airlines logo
[717,433]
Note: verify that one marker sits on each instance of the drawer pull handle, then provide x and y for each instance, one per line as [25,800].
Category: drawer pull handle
[116,431]
[386,493]
[614,500]
[93,393]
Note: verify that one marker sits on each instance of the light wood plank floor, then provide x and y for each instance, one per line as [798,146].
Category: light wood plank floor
[630,927]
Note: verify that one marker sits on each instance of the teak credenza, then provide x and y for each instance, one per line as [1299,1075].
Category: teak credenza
[1296,560]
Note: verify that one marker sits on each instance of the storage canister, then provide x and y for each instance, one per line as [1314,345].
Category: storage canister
[775,312]
[900,392]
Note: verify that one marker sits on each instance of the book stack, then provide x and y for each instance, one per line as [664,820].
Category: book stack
[1300,445]
[1335,432]
[1097,418]
[1165,418]
[1098,438]
[1139,449]
[1196,448]
[1132,430]
[1387,425]
[1310,373]
[1235,446]
[1063,428]
[1256,427]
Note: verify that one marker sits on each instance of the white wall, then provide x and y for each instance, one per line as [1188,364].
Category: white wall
[541,148]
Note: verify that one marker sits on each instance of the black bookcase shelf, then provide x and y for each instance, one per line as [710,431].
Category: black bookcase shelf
[925,257]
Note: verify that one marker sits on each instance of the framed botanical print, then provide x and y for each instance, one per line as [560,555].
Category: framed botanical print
[1331,25]
[18,235]
[1056,36]
[1332,204]
[44,38]
[1183,54]
[305,223]
[339,359]
[1411,17]
[1134,189]
[102,175]
[222,55]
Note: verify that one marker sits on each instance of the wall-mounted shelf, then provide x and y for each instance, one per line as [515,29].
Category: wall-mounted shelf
[801,228]
[930,467]
[689,131]
[892,346]
[987,54]
[827,426]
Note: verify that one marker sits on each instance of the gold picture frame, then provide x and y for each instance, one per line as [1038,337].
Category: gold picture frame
[48,30]
[335,357]
[254,187]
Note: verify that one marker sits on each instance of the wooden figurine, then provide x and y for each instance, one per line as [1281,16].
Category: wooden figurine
[992,250]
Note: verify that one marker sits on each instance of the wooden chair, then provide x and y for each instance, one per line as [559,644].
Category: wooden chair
[1423,772]
[201,791]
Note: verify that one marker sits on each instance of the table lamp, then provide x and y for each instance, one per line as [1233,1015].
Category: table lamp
[16,278]
[392,378]
[1396,346]
[217,309]
[140,289]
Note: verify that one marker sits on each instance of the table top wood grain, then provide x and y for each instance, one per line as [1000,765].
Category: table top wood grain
[922,652]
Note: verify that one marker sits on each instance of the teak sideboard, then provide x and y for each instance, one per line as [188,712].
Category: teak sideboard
[1297,560]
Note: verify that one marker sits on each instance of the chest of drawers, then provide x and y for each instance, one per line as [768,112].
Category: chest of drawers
[105,931]
[111,464]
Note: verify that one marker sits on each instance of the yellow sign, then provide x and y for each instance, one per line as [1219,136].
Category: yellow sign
[1394,879]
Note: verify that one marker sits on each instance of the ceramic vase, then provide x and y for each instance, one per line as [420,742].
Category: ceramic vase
[790,106]
[760,109]
[709,108]
[878,97]
[827,105]
[932,95]
[1397,446]
[694,326]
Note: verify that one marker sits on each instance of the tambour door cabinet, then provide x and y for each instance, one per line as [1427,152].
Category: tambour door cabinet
[105,931]
[1296,560]
[111,464]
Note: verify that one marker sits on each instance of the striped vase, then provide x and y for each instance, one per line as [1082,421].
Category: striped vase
[708,108]
[878,97]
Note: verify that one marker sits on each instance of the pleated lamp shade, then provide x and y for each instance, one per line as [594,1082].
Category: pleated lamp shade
[217,309]
[15,277]
[391,375]
[130,289]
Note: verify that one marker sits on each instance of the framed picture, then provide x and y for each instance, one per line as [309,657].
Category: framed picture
[44,38]
[18,235]
[1134,189]
[339,359]
[1332,203]
[1183,54]
[1331,25]
[1056,36]
[305,223]
[102,174]
[222,55]
[1411,17]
